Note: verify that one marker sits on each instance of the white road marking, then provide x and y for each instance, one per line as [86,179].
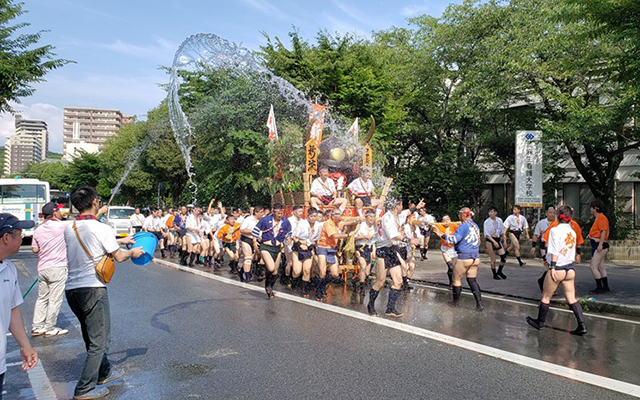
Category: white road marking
[565,372]
[39,381]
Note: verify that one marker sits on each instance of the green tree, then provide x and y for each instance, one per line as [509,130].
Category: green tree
[56,173]
[20,64]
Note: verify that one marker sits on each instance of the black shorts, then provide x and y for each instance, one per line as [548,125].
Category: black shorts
[326,199]
[516,234]
[137,229]
[366,200]
[389,255]
[402,251]
[565,267]
[247,240]
[272,250]
[229,245]
[542,245]
[493,246]
[365,252]
[594,246]
[304,254]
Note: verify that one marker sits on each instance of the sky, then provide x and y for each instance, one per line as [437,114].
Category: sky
[118,46]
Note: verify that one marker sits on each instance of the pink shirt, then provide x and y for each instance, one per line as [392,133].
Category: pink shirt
[49,238]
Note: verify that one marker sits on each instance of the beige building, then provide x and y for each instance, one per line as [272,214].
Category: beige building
[29,145]
[88,128]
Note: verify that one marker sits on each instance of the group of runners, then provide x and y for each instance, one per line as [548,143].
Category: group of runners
[307,252]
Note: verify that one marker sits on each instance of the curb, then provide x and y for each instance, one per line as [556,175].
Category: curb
[593,306]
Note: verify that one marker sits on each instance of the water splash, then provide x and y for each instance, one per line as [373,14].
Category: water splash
[213,52]
[131,163]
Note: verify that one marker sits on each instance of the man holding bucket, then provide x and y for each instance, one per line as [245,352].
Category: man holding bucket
[86,294]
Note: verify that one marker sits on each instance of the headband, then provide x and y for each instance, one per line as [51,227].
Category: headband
[564,218]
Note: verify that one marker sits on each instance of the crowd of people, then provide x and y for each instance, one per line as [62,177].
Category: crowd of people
[306,251]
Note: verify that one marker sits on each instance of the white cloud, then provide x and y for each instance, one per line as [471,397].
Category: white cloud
[48,113]
[264,6]
[342,27]
[414,10]
[162,50]
[352,13]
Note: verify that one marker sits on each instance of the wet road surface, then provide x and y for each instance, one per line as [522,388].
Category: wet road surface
[179,335]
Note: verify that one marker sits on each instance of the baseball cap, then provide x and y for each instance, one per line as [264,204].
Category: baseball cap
[49,208]
[8,223]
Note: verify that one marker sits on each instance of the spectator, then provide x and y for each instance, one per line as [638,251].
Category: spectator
[10,296]
[48,244]
[86,294]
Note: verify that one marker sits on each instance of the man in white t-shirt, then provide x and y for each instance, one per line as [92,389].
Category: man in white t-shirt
[362,190]
[323,191]
[10,296]
[86,294]
[136,221]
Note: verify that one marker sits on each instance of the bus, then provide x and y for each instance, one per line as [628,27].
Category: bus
[24,198]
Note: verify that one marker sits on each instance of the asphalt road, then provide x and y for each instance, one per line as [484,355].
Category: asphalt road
[179,335]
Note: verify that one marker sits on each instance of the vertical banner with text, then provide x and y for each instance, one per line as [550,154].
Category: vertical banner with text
[528,190]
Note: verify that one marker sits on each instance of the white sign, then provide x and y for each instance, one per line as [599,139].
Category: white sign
[528,191]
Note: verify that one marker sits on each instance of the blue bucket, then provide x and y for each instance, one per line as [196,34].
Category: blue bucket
[148,242]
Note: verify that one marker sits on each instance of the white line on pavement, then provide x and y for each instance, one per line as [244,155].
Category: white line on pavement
[565,372]
[39,381]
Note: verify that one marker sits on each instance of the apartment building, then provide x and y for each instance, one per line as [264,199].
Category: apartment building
[28,145]
[88,129]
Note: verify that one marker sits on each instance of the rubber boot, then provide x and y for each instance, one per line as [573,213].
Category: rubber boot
[192,258]
[163,253]
[598,288]
[183,258]
[391,305]
[371,307]
[577,311]
[538,323]
[405,283]
[240,272]
[500,274]
[306,288]
[519,262]
[362,288]
[247,277]
[320,287]
[495,274]
[475,289]
[423,253]
[457,291]
[605,285]
[268,287]
[450,273]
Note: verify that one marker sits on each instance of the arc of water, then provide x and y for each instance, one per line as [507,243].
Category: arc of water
[214,52]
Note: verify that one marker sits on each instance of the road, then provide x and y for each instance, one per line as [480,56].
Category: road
[180,335]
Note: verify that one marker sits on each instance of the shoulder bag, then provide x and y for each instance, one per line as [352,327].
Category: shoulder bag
[105,267]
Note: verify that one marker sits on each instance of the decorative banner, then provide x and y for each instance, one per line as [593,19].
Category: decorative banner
[367,158]
[528,190]
[311,157]
[353,131]
[317,116]
[271,124]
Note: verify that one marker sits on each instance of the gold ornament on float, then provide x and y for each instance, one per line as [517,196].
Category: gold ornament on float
[338,154]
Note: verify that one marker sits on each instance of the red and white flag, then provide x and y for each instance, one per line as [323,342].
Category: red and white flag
[271,124]
[353,131]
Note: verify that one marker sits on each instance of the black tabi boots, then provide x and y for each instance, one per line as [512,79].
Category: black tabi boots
[538,323]
[475,289]
[500,274]
[371,306]
[450,273]
[457,291]
[391,305]
[577,311]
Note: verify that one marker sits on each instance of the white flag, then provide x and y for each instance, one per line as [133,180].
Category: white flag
[271,124]
[353,131]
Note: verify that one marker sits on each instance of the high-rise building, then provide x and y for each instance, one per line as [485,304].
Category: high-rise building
[29,145]
[88,128]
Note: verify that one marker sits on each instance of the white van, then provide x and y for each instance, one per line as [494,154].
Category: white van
[118,219]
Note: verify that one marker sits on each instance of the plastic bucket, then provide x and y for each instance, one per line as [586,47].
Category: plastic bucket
[148,242]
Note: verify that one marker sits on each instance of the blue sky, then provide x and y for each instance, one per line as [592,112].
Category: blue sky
[119,45]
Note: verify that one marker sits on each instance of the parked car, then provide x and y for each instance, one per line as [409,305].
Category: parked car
[118,219]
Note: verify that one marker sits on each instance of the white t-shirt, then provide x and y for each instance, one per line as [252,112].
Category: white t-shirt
[361,187]
[514,223]
[389,229]
[322,188]
[317,228]
[149,223]
[366,230]
[99,240]
[562,243]
[541,227]
[248,224]
[136,220]
[10,298]
[493,227]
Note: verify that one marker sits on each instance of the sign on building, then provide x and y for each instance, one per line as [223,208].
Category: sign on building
[528,190]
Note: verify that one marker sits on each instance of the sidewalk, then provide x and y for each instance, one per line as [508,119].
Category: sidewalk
[521,282]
